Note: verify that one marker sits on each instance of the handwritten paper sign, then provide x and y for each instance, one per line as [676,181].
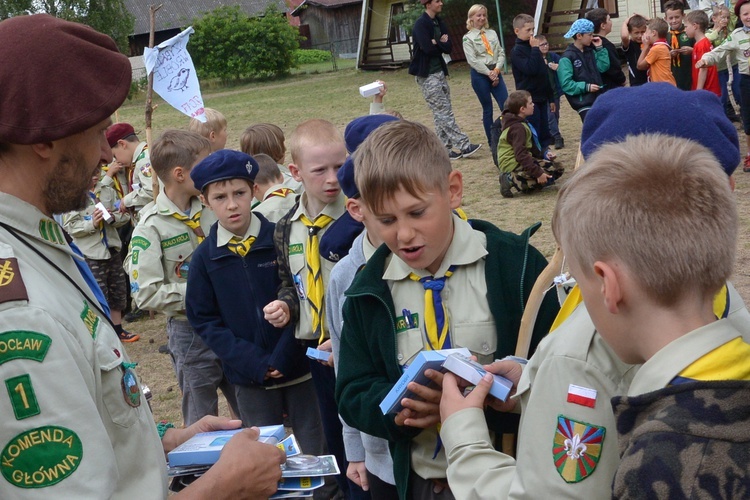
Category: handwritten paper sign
[174,75]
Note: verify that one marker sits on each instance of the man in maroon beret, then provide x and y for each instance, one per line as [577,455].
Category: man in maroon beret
[80,426]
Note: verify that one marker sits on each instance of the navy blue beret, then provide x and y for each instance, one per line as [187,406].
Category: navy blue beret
[337,241]
[223,165]
[345,175]
[359,128]
[660,107]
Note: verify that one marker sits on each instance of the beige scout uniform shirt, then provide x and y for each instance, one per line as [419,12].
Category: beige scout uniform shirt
[69,428]
[274,207]
[87,236]
[141,190]
[476,53]
[572,354]
[737,44]
[159,256]
[297,263]
[471,322]
[121,178]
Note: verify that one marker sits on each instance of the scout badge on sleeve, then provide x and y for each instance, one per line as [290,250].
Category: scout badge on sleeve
[130,389]
[576,448]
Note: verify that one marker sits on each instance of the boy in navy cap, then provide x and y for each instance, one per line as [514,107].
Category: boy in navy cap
[233,274]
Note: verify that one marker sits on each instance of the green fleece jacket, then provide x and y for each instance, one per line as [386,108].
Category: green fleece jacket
[368,367]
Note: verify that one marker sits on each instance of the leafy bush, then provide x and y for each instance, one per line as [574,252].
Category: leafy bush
[136,87]
[311,56]
[229,45]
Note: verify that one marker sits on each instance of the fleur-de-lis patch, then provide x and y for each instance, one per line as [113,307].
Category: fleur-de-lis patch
[576,448]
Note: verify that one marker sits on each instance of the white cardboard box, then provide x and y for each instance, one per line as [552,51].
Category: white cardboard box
[471,371]
[370,89]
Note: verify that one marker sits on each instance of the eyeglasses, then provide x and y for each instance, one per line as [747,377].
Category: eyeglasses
[544,44]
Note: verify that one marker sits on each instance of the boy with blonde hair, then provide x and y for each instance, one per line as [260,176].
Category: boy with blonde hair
[275,199]
[214,129]
[267,138]
[651,299]
[655,53]
[407,183]
[696,24]
[318,151]
[158,262]
[232,276]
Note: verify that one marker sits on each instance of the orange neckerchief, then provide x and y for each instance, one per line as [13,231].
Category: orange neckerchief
[675,45]
[281,192]
[486,43]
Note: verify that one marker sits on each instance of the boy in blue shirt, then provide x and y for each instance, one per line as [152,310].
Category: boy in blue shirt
[233,274]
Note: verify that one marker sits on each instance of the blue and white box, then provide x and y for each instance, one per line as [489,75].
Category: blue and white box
[318,355]
[204,448]
[472,372]
[415,373]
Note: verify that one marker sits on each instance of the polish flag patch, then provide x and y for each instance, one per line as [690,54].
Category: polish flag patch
[581,395]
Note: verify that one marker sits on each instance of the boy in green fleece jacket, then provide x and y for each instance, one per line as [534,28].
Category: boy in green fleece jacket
[439,282]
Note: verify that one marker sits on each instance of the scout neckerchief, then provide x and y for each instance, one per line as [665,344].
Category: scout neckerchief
[534,136]
[239,246]
[102,230]
[315,286]
[436,321]
[131,170]
[193,223]
[486,43]
[675,45]
[281,192]
[116,182]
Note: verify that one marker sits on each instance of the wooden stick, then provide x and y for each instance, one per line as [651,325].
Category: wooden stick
[150,93]
[542,283]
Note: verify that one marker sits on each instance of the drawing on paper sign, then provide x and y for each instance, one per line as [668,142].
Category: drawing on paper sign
[179,82]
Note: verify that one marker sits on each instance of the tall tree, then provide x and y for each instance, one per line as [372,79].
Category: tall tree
[108,16]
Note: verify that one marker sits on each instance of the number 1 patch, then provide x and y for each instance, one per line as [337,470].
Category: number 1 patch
[22,397]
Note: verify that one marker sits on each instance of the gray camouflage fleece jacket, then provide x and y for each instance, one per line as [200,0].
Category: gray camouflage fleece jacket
[685,441]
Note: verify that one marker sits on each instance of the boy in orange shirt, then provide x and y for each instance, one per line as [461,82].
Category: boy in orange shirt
[655,54]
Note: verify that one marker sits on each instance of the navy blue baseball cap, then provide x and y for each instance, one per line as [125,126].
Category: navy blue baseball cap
[223,165]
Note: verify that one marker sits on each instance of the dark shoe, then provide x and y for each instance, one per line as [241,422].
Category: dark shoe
[559,142]
[470,150]
[453,155]
[134,315]
[126,336]
[505,185]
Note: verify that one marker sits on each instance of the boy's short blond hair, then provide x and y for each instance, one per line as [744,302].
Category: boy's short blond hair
[698,17]
[312,133]
[400,155]
[658,25]
[176,148]
[522,20]
[268,170]
[215,122]
[265,138]
[662,206]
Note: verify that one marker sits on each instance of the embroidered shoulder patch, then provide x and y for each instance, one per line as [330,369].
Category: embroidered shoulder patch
[50,231]
[90,319]
[41,457]
[296,249]
[140,241]
[11,283]
[21,344]
[576,448]
[22,396]
[177,240]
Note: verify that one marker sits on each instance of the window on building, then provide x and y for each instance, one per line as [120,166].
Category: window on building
[396,34]
[610,5]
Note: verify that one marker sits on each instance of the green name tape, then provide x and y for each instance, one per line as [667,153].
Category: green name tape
[22,344]
[41,457]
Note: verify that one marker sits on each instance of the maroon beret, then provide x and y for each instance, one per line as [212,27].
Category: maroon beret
[119,131]
[58,78]
[737,6]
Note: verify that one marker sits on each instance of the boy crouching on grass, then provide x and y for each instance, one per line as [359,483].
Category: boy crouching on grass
[233,274]
[519,155]
[651,299]
[437,270]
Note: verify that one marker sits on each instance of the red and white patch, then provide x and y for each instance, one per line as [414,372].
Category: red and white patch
[581,395]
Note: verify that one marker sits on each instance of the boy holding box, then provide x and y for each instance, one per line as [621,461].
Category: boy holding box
[232,276]
[406,181]
[158,263]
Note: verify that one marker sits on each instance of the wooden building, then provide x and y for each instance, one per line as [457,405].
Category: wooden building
[177,15]
[330,24]
[554,17]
